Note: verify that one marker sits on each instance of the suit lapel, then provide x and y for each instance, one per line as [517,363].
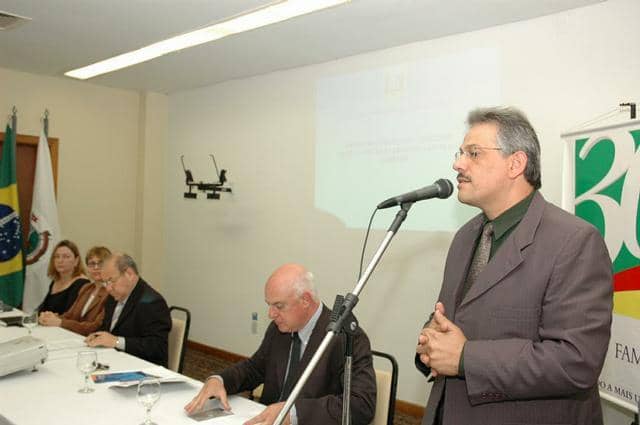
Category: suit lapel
[462,256]
[509,255]
[132,301]
[283,354]
[109,308]
[97,299]
[317,335]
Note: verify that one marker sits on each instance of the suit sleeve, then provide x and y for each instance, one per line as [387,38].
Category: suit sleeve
[153,324]
[328,409]
[248,374]
[84,327]
[574,331]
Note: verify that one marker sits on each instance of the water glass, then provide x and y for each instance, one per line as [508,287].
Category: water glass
[148,395]
[30,321]
[86,362]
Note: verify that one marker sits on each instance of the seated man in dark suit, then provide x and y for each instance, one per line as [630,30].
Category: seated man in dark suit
[299,322]
[136,318]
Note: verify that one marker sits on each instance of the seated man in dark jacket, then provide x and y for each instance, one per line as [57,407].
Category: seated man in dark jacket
[136,318]
[299,322]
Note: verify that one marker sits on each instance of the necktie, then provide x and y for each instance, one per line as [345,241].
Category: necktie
[480,258]
[294,361]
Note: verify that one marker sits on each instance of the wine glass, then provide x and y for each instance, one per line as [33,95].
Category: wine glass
[87,362]
[148,395]
[30,321]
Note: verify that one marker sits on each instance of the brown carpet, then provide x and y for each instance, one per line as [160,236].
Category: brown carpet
[199,365]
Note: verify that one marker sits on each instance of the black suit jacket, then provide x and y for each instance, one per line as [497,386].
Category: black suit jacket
[320,401]
[145,322]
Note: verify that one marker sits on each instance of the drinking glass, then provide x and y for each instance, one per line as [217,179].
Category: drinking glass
[87,362]
[30,321]
[148,395]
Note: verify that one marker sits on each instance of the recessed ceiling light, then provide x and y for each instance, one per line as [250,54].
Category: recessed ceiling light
[267,15]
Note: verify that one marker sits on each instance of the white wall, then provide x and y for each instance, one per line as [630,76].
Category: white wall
[98,132]
[561,70]
[150,188]
[104,177]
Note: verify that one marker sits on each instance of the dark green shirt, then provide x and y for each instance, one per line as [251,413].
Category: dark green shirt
[505,223]
[503,226]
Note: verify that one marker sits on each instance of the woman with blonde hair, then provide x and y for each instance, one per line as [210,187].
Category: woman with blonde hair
[67,272]
[87,312]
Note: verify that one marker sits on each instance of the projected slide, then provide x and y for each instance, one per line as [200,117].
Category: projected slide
[386,131]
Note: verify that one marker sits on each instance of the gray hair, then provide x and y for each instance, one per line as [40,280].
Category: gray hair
[515,133]
[124,262]
[303,284]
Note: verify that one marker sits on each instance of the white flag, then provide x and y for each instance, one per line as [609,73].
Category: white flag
[44,230]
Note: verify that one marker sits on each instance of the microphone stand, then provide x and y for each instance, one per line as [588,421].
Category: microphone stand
[342,319]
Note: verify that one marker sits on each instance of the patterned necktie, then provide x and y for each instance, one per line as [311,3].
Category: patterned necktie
[294,360]
[480,258]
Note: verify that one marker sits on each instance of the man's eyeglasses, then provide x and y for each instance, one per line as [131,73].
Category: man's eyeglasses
[112,280]
[473,152]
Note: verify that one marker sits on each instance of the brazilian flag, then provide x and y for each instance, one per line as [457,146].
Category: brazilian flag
[11,272]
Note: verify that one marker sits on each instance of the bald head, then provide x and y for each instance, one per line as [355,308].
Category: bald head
[120,275]
[291,297]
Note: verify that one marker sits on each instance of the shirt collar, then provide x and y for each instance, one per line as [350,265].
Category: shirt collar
[511,217]
[305,332]
[123,302]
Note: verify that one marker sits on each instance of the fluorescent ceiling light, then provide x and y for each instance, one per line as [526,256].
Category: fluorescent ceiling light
[267,15]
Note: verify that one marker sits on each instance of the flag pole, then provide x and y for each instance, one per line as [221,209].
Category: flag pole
[14,120]
[45,123]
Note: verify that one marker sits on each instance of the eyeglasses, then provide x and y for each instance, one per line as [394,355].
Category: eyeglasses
[473,152]
[112,280]
[94,264]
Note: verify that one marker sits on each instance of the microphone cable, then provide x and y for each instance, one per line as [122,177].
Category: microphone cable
[364,245]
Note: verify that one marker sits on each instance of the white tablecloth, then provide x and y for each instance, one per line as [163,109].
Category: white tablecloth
[50,395]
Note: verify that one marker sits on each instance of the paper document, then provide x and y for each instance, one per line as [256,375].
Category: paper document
[128,378]
[211,409]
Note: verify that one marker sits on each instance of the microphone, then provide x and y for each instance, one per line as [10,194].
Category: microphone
[442,189]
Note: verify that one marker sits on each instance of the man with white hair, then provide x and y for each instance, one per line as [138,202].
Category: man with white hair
[299,322]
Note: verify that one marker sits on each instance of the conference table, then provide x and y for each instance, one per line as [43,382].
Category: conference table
[50,394]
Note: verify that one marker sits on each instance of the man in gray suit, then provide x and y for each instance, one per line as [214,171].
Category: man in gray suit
[522,325]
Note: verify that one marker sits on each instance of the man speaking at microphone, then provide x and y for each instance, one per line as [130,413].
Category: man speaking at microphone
[522,323]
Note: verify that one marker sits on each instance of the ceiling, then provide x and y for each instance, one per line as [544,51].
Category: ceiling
[67,34]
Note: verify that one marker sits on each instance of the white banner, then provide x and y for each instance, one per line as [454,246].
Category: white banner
[602,186]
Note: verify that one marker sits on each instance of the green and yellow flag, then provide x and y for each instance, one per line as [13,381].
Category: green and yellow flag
[11,272]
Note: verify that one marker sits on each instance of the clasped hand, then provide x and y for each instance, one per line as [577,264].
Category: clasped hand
[48,318]
[440,344]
